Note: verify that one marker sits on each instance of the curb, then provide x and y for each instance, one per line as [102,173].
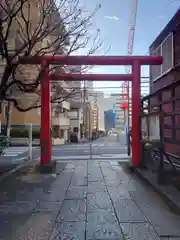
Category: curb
[169,194]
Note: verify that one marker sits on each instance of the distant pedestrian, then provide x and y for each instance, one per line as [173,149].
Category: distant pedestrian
[83,139]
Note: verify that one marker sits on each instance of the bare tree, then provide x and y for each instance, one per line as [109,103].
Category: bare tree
[35,28]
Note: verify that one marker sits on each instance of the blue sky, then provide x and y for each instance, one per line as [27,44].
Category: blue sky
[113,19]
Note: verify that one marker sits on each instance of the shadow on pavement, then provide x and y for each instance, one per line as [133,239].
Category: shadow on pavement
[83,200]
[20,194]
[4,168]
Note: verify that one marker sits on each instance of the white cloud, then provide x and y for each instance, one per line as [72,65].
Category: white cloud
[161,16]
[112,18]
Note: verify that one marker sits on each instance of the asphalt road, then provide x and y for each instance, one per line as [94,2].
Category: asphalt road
[107,147]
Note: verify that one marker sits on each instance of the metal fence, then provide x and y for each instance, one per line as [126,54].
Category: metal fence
[160,120]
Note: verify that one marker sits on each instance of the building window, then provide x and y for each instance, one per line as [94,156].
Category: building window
[75,129]
[176,37]
[55,130]
[166,51]
[61,133]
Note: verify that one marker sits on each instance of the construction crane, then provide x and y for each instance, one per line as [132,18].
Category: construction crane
[125,86]
[132,28]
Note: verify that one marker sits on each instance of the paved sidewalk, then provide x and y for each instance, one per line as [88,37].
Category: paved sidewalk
[89,200]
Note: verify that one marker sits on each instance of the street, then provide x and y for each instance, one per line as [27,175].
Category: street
[103,149]
[106,147]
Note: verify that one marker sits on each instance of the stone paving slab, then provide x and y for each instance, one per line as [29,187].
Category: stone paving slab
[136,231]
[85,200]
[68,231]
[128,211]
[76,192]
[73,210]
[98,200]
[106,231]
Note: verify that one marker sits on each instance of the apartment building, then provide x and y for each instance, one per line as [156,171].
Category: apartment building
[27,72]
[100,110]
[76,104]
[61,122]
[98,105]
[167,45]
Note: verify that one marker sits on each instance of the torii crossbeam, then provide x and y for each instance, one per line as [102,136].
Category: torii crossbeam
[135,61]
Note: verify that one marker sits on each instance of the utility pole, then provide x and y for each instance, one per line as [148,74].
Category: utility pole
[84,108]
[89,119]
[97,122]
[131,36]
[97,114]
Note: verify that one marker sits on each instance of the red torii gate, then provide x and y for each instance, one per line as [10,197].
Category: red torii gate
[135,61]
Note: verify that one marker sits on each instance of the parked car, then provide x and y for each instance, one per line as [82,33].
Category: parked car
[73,137]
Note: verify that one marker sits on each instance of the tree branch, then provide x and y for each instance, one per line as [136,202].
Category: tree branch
[60,99]
[31,28]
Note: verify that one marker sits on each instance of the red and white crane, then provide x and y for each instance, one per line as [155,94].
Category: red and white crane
[131,35]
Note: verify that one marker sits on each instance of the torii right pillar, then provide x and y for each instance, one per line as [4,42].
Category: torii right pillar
[136,102]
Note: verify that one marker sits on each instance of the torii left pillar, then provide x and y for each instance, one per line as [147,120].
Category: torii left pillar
[46,165]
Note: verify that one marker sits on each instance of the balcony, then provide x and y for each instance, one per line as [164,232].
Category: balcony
[61,120]
[76,103]
[60,106]
[65,105]
[61,88]
[72,114]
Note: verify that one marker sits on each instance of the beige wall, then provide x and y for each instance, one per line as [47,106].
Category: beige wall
[18,118]
[28,72]
[31,116]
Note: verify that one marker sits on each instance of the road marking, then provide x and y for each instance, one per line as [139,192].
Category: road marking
[72,157]
[103,156]
[86,151]
[93,147]
[14,151]
[98,160]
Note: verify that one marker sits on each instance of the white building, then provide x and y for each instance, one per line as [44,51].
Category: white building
[117,100]
[99,108]
[76,108]
[74,113]
[101,105]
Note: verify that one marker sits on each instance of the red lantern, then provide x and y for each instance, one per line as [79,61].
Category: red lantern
[124,104]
